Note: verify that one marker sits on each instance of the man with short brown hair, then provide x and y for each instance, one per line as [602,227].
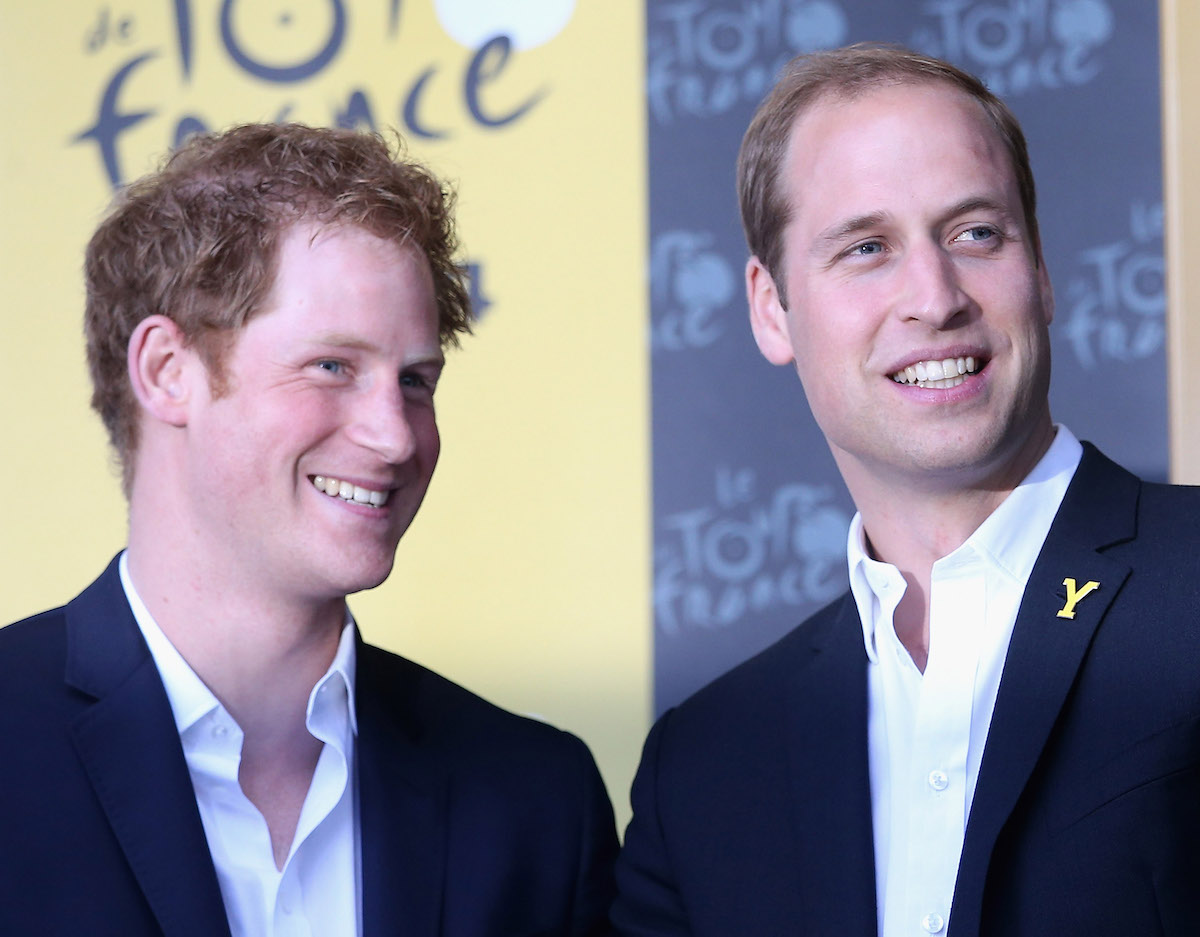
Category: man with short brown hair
[994,731]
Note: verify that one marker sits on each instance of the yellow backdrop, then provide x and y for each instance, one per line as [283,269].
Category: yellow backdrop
[526,575]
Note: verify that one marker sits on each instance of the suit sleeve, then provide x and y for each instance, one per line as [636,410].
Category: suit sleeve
[649,903]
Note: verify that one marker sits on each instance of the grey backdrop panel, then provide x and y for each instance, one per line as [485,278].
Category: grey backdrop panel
[750,516]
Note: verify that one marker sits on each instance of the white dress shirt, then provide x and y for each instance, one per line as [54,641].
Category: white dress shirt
[926,732]
[318,891]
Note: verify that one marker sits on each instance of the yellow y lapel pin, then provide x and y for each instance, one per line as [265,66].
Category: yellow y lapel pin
[1074,594]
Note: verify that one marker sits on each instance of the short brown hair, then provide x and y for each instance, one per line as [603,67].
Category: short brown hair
[847,73]
[197,241]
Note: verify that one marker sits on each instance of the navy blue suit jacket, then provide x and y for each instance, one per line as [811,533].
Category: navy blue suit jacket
[474,821]
[752,808]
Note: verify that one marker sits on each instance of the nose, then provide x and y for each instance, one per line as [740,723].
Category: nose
[384,422]
[931,291]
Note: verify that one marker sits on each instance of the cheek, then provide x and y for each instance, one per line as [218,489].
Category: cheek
[1027,314]
[309,414]
[822,370]
[832,326]
[831,340]
[429,439]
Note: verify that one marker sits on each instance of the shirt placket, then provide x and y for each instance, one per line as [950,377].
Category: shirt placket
[936,780]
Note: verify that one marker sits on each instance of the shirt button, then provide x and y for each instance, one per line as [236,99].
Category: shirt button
[933,923]
[219,731]
[939,782]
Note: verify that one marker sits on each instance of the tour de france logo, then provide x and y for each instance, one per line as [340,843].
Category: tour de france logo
[707,59]
[747,551]
[692,286]
[1019,46]
[1115,301]
[152,68]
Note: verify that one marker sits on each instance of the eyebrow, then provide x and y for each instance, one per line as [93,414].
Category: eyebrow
[978,203]
[343,340]
[841,231]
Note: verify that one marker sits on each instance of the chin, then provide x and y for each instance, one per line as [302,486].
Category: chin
[369,580]
[356,576]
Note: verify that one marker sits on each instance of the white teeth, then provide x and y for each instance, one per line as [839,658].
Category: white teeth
[938,375]
[349,492]
[945,384]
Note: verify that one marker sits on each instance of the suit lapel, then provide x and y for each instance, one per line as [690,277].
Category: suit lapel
[130,748]
[831,780]
[1044,656]
[403,803]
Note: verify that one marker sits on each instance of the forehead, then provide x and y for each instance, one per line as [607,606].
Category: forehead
[344,277]
[308,241]
[889,145]
[332,259]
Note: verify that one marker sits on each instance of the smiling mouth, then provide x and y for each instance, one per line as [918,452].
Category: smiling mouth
[336,488]
[938,375]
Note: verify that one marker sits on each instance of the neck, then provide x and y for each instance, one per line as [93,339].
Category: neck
[258,650]
[260,644]
[914,518]
[912,532]
[913,521]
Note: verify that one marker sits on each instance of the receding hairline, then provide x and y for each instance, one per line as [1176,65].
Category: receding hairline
[859,91]
[833,95]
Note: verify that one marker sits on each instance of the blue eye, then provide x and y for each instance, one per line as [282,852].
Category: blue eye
[870,248]
[980,233]
[331,366]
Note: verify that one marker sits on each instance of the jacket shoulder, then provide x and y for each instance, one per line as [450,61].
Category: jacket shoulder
[442,715]
[33,651]
[1174,507]
[1140,521]
[756,688]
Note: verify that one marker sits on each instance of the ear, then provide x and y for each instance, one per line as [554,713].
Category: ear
[1046,288]
[768,318]
[159,361]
